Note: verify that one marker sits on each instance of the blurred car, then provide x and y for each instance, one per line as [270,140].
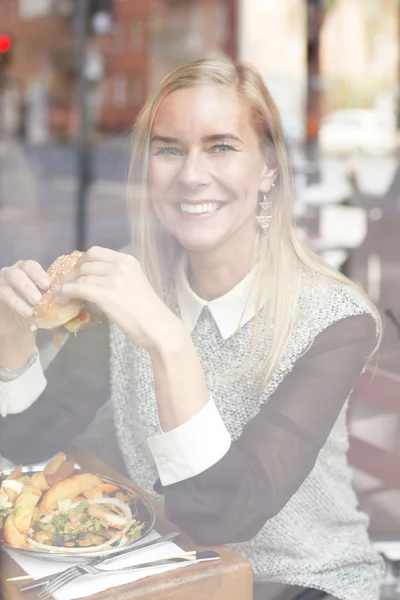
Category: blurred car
[350,131]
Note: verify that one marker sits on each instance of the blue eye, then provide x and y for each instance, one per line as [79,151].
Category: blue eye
[222,148]
[168,151]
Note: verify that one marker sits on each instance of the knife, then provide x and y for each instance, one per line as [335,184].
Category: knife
[101,560]
[188,558]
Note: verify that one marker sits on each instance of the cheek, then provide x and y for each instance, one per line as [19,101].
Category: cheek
[162,174]
[244,180]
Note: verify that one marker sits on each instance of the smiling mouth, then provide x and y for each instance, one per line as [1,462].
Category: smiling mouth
[198,209]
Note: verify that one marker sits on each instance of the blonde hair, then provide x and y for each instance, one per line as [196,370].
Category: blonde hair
[280,256]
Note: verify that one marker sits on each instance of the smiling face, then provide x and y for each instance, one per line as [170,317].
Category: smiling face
[206,170]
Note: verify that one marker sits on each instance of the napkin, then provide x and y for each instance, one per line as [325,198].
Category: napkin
[88,584]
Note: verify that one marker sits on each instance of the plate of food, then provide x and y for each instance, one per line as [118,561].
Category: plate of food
[60,512]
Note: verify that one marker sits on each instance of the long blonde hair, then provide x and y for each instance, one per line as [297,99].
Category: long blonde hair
[280,256]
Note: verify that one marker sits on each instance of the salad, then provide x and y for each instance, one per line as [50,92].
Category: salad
[57,510]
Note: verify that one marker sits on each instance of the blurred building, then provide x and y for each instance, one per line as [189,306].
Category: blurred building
[359,49]
[272,36]
[146,40]
[37,35]
[149,39]
[360,54]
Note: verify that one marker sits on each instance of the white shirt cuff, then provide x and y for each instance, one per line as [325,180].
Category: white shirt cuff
[19,394]
[191,448]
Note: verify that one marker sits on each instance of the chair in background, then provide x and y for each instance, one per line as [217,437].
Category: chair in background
[378,389]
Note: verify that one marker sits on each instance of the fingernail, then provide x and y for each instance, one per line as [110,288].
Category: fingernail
[27,312]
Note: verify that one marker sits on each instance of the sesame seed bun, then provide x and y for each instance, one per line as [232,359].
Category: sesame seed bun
[48,314]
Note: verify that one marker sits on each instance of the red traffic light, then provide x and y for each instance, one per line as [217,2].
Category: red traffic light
[5,43]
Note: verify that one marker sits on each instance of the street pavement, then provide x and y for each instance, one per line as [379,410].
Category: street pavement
[110,159]
[38,207]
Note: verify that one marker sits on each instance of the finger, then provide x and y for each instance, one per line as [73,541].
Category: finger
[82,291]
[97,268]
[9,296]
[23,286]
[35,272]
[97,253]
[67,293]
[88,288]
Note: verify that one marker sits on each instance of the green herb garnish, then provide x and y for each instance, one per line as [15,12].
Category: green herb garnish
[61,527]
[4,512]
[82,506]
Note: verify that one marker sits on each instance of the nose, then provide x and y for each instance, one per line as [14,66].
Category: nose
[195,170]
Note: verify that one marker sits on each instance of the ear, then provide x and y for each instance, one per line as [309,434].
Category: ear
[268,177]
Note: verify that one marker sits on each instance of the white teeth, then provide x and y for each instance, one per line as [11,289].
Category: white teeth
[199,208]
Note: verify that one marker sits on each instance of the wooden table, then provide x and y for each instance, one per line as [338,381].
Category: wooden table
[230,578]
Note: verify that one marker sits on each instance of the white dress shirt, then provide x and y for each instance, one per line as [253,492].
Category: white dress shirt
[19,394]
[181,453]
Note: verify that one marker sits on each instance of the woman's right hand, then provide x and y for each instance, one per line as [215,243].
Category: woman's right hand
[21,288]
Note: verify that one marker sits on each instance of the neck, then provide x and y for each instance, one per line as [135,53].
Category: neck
[211,276]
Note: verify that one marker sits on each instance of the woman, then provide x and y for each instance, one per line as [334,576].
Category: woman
[233,349]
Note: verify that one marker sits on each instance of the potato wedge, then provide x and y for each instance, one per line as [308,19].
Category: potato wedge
[16,474]
[25,480]
[39,481]
[12,534]
[68,488]
[24,508]
[94,493]
[65,470]
[54,464]
[12,495]
[79,498]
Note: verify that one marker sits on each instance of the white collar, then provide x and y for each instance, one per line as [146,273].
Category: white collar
[230,312]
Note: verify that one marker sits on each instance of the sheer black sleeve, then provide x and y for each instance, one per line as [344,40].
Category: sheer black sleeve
[77,386]
[264,467]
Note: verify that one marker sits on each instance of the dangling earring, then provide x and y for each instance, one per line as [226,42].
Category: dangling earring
[264,219]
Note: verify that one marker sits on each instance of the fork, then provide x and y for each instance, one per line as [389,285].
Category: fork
[71,574]
[100,560]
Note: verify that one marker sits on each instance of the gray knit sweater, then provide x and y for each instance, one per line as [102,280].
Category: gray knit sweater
[319,538]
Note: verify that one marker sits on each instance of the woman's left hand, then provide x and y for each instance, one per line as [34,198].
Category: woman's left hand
[115,282]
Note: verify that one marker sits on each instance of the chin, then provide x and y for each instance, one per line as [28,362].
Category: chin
[199,244]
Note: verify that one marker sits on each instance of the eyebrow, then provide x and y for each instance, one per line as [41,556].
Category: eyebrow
[165,139]
[217,137]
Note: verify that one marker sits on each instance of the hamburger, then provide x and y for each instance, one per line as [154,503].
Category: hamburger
[62,319]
